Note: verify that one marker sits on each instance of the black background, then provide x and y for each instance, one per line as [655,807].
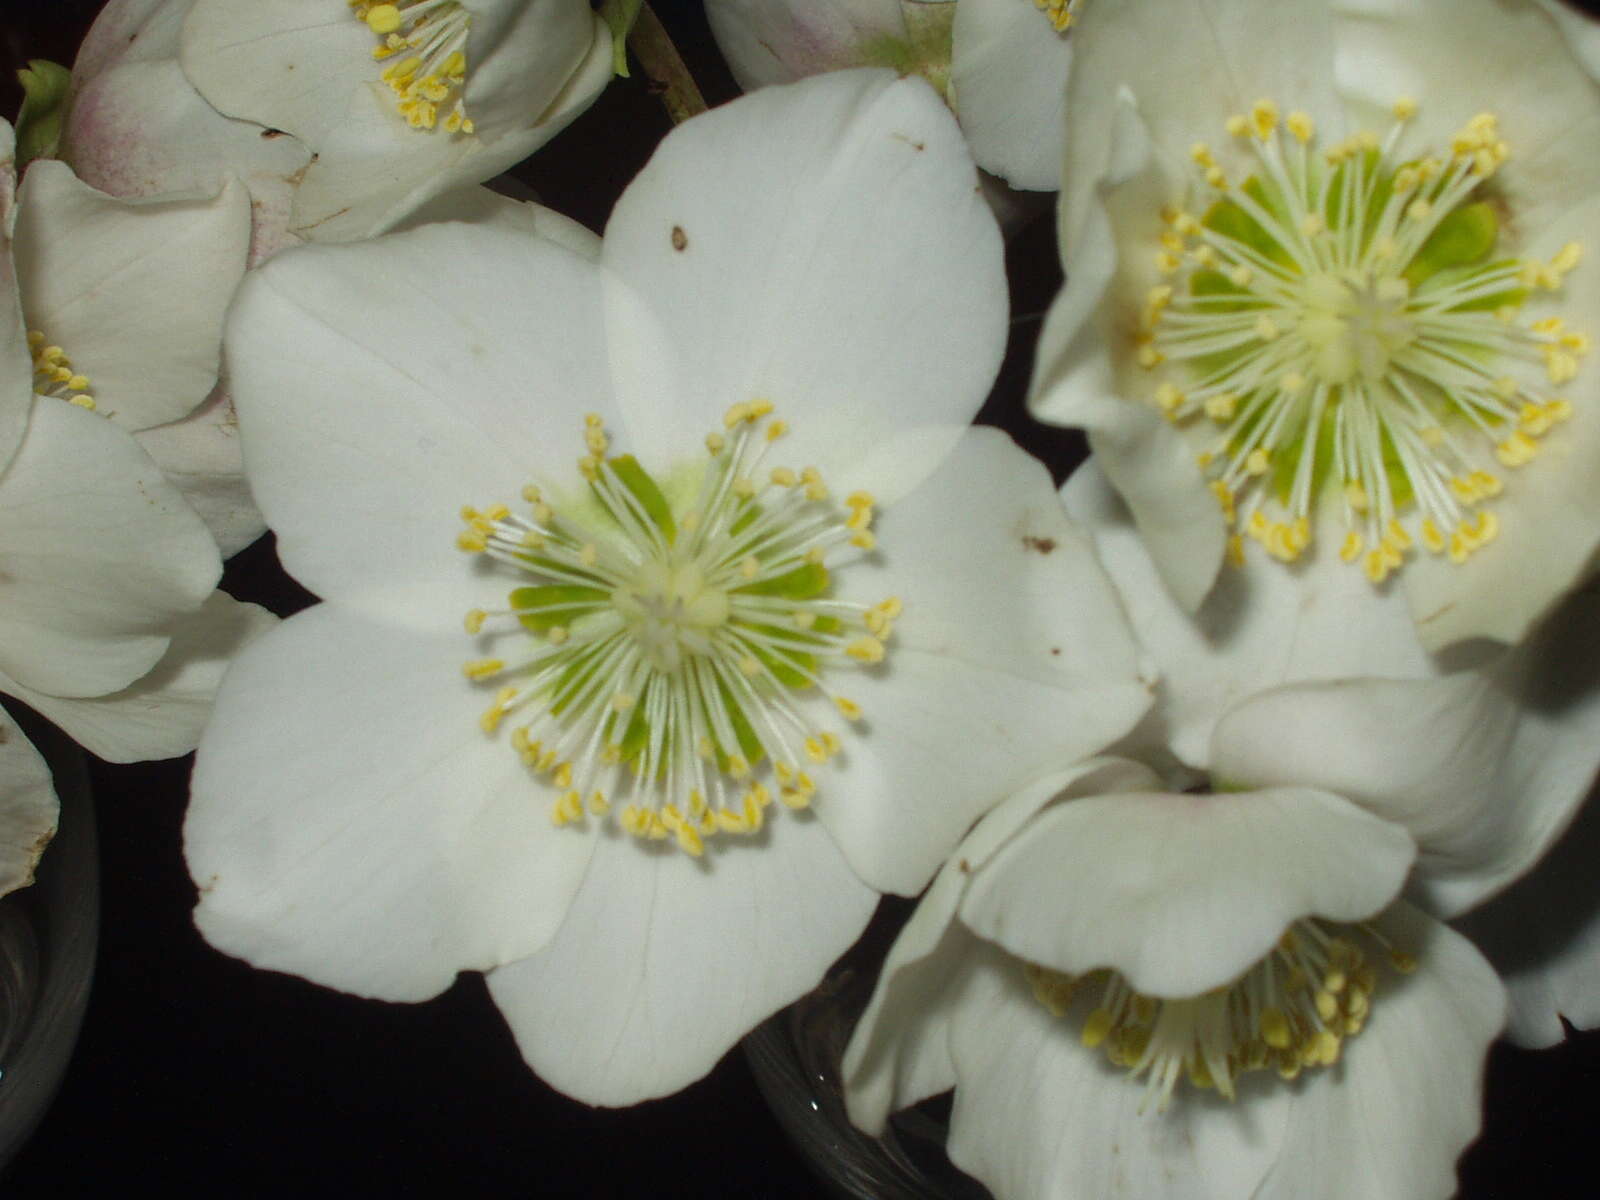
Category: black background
[196,1072]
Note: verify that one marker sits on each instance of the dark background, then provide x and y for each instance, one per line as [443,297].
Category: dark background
[196,1072]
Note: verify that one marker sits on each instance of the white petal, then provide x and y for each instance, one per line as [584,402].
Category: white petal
[350,822]
[1038,1116]
[288,64]
[780,41]
[898,1053]
[1543,936]
[1581,30]
[134,291]
[1181,893]
[1484,769]
[836,258]
[1011,658]
[16,361]
[665,961]
[1407,1096]
[99,554]
[201,457]
[485,206]
[28,806]
[395,413]
[1084,374]
[1009,76]
[161,714]
[1263,624]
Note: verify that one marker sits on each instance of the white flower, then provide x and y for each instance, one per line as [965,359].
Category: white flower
[1322,266]
[108,625]
[732,695]
[1002,64]
[340,117]
[1114,977]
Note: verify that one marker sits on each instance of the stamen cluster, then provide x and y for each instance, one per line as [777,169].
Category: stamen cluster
[1341,321]
[1059,12]
[428,40]
[1290,1012]
[54,374]
[670,643]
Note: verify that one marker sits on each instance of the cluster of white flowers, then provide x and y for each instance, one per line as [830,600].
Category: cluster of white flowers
[673,610]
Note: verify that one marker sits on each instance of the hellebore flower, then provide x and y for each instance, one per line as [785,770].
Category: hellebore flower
[716,694]
[1001,64]
[109,625]
[1327,296]
[1225,992]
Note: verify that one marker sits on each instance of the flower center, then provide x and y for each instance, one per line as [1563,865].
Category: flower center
[1341,322]
[677,648]
[1289,1012]
[1059,12]
[54,374]
[427,39]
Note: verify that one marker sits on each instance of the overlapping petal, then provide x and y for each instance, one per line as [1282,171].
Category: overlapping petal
[160,714]
[415,409]
[350,833]
[134,291]
[663,961]
[99,553]
[986,687]
[753,271]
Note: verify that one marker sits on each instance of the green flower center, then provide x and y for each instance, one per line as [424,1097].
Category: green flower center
[424,43]
[673,645]
[1290,1012]
[1341,321]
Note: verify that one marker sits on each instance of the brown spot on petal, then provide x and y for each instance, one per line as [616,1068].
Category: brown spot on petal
[1039,545]
[680,239]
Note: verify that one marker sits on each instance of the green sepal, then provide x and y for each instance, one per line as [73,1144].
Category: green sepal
[547,595]
[749,744]
[44,107]
[647,492]
[619,16]
[801,583]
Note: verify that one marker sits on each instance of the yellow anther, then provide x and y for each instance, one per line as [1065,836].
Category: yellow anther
[556,634]
[563,775]
[482,668]
[1237,125]
[543,513]
[1274,1028]
[1217,178]
[1301,126]
[471,541]
[1431,537]
[473,621]
[784,477]
[1169,398]
[1241,276]
[598,804]
[1351,548]
[495,713]
[750,666]
[1096,1028]
[776,430]
[1257,462]
[1263,118]
[1404,108]
[738,766]
[750,567]
[1200,152]
[1265,328]
[866,649]
[1312,224]
[715,442]
[1235,550]
[689,840]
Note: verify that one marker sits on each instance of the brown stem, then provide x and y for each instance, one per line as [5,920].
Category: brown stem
[665,67]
